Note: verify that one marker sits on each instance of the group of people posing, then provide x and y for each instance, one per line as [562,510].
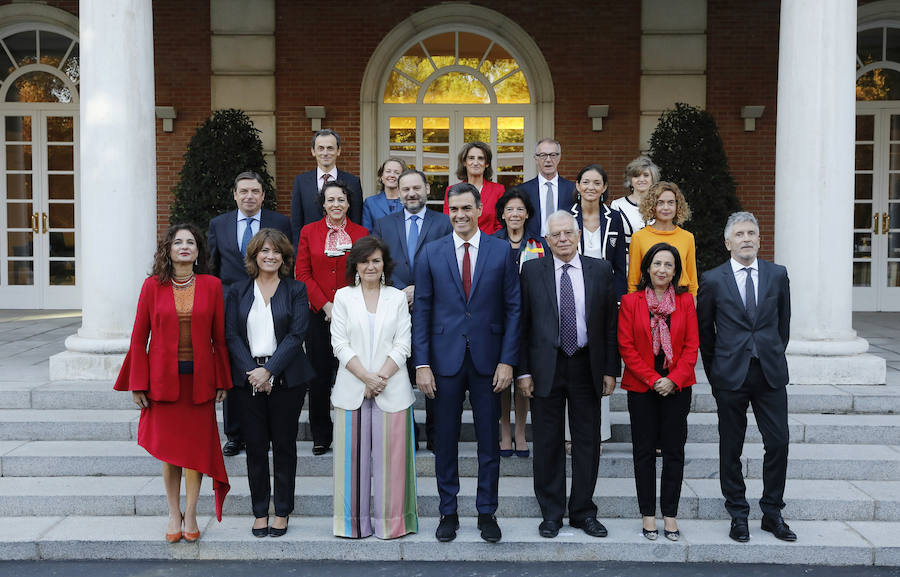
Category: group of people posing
[524,299]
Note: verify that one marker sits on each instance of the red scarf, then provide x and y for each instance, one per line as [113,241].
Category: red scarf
[660,309]
[337,241]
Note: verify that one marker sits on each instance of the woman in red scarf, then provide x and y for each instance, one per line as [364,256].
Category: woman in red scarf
[321,264]
[658,342]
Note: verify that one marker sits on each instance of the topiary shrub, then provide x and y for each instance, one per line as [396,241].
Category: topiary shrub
[225,145]
[688,150]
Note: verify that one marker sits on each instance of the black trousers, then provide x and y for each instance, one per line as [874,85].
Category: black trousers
[572,386]
[658,421]
[429,407]
[771,411]
[271,420]
[321,356]
[231,420]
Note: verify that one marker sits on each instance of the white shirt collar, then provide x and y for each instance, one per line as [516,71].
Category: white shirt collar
[241,216]
[319,173]
[420,214]
[542,181]
[476,238]
[558,263]
[736,266]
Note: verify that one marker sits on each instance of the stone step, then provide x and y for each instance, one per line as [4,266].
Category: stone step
[615,498]
[863,399]
[311,538]
[125,458]
[122,424]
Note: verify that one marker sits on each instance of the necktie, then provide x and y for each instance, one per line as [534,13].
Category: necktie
[568,325]
[248,234]
[749,294]
[548,202]
[466,271]
[412,239]
[325,178]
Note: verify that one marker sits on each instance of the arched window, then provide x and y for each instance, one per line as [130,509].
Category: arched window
[38,65]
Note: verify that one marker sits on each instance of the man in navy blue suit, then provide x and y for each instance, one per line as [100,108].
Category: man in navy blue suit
[229,235]
[406,233]
[305,206]
[548,191]
[466,338]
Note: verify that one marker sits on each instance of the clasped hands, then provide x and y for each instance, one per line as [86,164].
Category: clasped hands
[260,379]
[375,384]
[664,386]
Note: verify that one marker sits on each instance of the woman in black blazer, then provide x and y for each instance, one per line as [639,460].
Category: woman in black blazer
[265,323]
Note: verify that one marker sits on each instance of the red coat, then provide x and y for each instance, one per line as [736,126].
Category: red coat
[322,275]
[636,346]
[154,369]
[490,194]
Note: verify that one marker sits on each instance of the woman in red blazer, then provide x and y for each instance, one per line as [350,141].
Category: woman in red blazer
[179,377]
[321,265]
[474,166]
[658,341]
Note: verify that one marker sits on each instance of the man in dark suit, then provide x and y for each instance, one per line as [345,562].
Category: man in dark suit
[548,191]
[466,338]
[305,206]
[569,356]
[744,314]
[229,234]
[406,233]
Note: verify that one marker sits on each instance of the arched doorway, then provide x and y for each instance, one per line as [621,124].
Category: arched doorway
[453,74]
[39,74]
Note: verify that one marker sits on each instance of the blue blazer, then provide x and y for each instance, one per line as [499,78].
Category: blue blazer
[225,258]
[290,313]
[613,233]
[305,207]
[565,196]
[726,330]
[392,230]
[444,321]
[376,207]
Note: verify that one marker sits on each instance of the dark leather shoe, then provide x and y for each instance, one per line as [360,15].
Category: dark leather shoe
[549,529]
[320,449]
[490,530]
[446,530]
[591,526]
[777,527]
[740,531]
[232,448]
[276,532]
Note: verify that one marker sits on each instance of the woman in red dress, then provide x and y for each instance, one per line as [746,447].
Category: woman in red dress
[474,167]
[179,377]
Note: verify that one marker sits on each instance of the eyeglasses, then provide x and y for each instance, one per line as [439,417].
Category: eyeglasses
[546,155]
[563,234]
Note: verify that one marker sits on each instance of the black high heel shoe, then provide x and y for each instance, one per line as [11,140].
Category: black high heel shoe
[275,532]
[651,535]
[261,531]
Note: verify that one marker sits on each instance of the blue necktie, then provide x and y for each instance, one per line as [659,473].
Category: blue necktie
[248,234]
[568,324]
[412,239]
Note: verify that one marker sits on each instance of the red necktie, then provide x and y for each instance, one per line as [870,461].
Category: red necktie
[325,178]
[466,271]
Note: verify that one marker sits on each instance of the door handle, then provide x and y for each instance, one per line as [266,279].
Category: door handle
[35,227]
[44,221]
[875,227]
[885,222]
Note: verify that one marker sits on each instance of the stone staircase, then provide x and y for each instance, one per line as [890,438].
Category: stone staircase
[75,485]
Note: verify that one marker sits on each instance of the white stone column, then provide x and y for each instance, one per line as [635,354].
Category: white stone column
[118,182]
[814,191]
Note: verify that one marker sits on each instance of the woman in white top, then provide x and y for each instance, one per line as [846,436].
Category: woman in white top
[374,445]
[640,174]
[266,318]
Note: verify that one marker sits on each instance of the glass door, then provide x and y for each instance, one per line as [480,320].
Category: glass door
[38,263]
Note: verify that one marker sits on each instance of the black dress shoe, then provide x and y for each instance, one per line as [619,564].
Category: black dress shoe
[591,526]
[740,531]
[549,529]
[320,449]
[490,530]
[777,527]
[274,532]
[261,531]
[232,448]
[446,530]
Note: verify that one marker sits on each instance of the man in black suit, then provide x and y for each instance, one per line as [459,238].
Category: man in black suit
[569,356]
[548,191]
[744,314]
[229,235]
[405,234]
[305,206]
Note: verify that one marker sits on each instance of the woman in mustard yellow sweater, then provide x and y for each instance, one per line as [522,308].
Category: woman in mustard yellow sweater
[664,205]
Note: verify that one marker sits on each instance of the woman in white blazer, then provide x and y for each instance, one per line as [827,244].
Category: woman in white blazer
[374,446]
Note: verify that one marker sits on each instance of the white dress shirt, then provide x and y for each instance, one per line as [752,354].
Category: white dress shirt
[576,274]
[242,224]
[332,173]
[542,192]
[260,326]
[740,277]
[461,251]
[407,216]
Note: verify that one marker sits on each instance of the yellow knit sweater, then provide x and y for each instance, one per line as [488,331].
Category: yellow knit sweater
[642,240]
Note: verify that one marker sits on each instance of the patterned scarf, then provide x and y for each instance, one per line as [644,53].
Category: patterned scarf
[337,241]
[660,309]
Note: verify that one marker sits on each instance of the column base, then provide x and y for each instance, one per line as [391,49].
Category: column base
[88,359]
[834,363]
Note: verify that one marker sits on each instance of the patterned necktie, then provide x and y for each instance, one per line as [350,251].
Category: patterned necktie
[325,178]
[466,271]
[749,295]
[548,202]
[248,234]
[412,239]
[568,325]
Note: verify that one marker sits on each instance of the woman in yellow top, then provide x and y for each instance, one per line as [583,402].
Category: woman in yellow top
[665,206]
